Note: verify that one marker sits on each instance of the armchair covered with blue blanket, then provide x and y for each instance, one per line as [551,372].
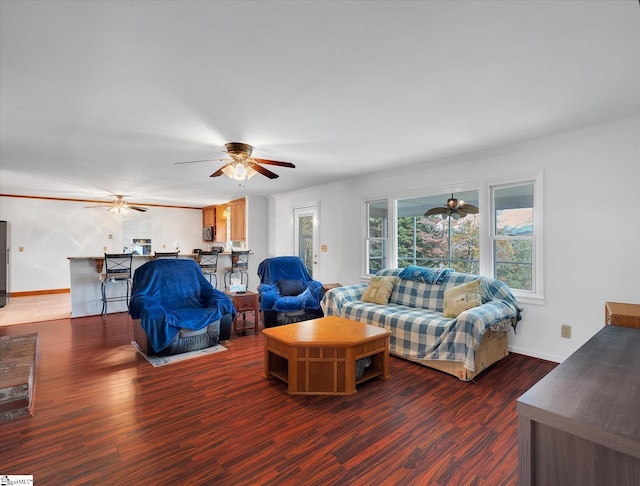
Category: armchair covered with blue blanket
[287,292]
[176,309]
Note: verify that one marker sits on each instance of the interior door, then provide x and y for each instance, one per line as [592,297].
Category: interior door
[307,238]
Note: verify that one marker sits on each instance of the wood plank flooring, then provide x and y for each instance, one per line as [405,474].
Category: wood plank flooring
[104,415]
[36,308]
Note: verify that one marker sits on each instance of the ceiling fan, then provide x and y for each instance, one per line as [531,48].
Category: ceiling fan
[242,166]
[119,205]
[454,208]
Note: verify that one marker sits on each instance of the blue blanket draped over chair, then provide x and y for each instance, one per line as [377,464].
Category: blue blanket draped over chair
[287,286]
[169,295]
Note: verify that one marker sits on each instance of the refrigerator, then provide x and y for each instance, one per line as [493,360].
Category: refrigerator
[4,263]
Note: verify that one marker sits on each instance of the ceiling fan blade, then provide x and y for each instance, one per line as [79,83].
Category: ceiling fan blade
[275,162]
[262,170]
[137,208]
[198,161]
[98,206]
[469,208]
[219,172]
[435,211]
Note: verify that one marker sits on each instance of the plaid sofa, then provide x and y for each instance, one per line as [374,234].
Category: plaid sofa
[414,315]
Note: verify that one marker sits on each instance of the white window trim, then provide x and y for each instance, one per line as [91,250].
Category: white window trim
[535,296]
[390,238]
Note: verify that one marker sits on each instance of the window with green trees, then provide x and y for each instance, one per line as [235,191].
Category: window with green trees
[503,240]
[438,240]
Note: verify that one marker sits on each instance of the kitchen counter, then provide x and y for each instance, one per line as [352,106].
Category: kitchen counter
[86,299]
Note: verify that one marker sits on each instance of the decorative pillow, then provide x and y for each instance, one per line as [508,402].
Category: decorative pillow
[379,290]
[288,287]
[462,297]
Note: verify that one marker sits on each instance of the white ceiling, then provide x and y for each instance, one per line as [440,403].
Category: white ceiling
[104,97]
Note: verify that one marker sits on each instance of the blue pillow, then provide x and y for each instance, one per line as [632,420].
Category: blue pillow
[290,287]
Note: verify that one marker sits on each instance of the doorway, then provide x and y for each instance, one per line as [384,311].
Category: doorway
[307,237]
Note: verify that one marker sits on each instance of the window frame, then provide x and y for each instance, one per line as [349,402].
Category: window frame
[384,240]
[536,294]
[486,215]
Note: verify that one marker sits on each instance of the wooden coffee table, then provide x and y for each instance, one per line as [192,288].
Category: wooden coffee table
[318,357]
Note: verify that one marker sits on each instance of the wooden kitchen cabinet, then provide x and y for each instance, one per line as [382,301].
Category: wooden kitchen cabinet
[209,216]
[221,223]
[214,216]
[238,220]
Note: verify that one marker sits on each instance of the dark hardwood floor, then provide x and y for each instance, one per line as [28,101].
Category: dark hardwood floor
[104,415]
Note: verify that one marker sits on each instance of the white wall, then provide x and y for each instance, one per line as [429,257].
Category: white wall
[591,224]
[50,231]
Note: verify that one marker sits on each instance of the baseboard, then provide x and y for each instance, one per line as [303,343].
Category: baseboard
[535,354]
[39,292]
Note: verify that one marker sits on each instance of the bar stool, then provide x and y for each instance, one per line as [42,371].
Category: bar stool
[239,266]
[165,254]
[117,269]
[208,261]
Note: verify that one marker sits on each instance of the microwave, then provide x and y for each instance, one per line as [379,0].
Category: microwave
[208,233]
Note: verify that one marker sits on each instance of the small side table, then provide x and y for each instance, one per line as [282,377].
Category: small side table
[328,286]
[619,314]
[245,302]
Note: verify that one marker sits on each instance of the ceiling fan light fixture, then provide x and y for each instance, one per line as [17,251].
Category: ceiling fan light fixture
[239,172]
[251,172]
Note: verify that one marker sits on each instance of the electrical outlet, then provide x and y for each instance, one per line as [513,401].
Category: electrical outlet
[104,248]
[20,249]
[110,236]
[565,331]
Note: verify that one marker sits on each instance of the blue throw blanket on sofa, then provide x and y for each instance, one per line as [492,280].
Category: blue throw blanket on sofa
[173,294]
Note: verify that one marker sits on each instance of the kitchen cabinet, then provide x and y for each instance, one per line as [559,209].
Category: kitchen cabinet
[214,216]
[221,223]
[238,220]
[209,216]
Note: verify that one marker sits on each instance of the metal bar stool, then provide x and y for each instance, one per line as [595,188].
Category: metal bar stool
[117,269]
[208,261]
[165,254]
[239,266]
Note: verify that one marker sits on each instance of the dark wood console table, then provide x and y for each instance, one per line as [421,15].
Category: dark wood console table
[581,423]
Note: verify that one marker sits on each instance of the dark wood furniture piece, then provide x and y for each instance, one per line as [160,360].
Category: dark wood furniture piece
[245,302]
[581,423]
[619,314]
[318,357]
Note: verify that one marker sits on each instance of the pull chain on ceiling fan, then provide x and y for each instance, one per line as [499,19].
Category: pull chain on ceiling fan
[454,209]
[242,165]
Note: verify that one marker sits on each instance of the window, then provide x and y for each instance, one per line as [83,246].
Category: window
[504,240]
[513,235]
[377,235]
[438,240]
